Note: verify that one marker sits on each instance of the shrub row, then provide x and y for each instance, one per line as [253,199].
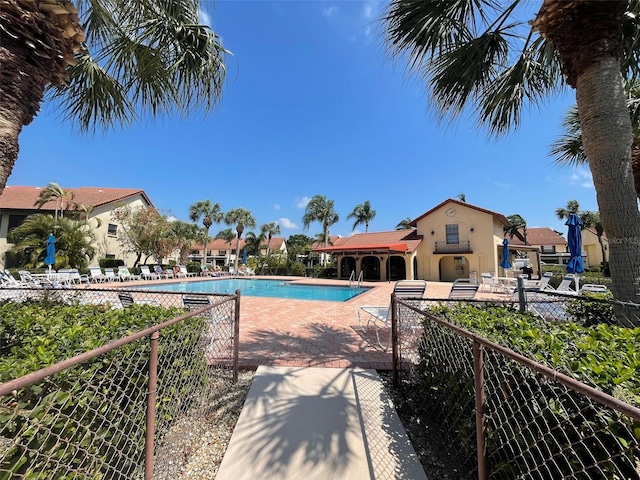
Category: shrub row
[87,421]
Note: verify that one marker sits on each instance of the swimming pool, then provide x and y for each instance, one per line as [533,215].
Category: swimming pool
[263,288]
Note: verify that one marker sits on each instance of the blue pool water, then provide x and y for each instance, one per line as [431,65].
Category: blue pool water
[263,288]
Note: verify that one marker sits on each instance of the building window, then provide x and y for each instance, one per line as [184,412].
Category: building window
[112,230]
[548,249]
[453,237]
[222,253]
[109,255]
[15,221]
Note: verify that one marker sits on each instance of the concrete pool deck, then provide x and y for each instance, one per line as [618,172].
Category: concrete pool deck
[311,333]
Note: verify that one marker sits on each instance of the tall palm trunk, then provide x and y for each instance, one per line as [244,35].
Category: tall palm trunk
[587,37]
[607,138]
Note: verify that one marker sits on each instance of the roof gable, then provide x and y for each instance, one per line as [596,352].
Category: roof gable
[500,217]
[23,198]
[540,236]
[409,237]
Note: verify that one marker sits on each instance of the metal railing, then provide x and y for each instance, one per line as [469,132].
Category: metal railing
[105,413]
[506,415]
[443,247]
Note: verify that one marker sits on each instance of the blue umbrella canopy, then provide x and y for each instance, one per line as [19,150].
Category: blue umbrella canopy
[51,250]
[244,256]
[574,241]
[505,254]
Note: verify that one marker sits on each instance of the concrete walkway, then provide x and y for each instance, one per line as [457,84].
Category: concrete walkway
[318,423]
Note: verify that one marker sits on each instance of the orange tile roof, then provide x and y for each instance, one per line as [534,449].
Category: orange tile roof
[539,236]
[499,216]
[23,198]
[382,239]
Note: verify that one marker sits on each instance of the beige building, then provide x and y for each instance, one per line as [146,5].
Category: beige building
[220,252]
[17,203]
[452,240]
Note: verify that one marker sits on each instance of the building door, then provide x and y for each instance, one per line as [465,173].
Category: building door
[396,268]
[370,268]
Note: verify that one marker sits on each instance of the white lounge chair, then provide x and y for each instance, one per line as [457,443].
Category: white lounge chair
[184,273]
[539,285]
[146,274]
[126,298]
[488,282]
[111,275]
[565,284]
[96,275]
[379,317]
[125,274]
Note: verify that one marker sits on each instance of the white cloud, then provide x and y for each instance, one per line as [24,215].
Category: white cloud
[302,202]
[329,11]
[582,177]
[276,206]
[204,17]
[171,218]
[286,223]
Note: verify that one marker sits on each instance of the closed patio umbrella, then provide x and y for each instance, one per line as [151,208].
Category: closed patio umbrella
[574,241]
[506,264]
[51,251]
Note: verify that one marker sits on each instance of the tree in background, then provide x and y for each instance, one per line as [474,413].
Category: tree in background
[210,214]
[269,230]
[404,224]
[103,64]
[462,197]
[483,54]
[242,219]
[253,243]
[319,209]
[144,232]
[73,241]
[362,214]
[568,149]
[55,193]
[227,235]
[185,235]
[517,223]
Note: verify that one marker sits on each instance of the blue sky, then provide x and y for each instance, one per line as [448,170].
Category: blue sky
[312,105]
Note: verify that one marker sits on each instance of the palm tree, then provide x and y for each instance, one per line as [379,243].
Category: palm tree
[210,214]
[54,192]
[253,243]
[517,223]
[362,214]
[241,218]
[73,241]
[227,235]
[147,55]
[462,197]
[569,150]
[572,207]
[269,230]
[319,209]
[482,54]
[404,224]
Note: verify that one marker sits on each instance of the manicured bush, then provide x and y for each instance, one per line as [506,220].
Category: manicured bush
[604,356]
[97,407]
[110,262]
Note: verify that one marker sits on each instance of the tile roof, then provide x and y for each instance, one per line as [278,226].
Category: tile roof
[23,198]
[540,236]
[220,244]
[410,237]
[499,216]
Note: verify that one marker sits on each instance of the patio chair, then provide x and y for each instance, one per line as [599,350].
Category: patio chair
[8,280]
[183,270]
[162,273]
[463,289]
[125,274]
[39,282]
[76,277]
[146,274]
[565,284]
[380,317]
[539,285]
[488,282]
[111,276]
[96,275]
[126,299]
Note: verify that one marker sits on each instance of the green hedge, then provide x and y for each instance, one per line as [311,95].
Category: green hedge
[88,419]
[604,356]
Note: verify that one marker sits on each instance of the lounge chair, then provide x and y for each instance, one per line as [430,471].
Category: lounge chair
[185,272]
[8,280]
[539,285]
[97,276]
[162,273]
[37,282]
[111,275]
[488,282]
[125,274]
[565,284]
[76,277]
[380,317]
[463,289]
[126,298]
[146,274]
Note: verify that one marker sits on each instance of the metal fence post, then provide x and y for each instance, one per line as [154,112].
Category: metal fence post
[236,337]
[478,380]
[522,298]
[151,406]
[394,340]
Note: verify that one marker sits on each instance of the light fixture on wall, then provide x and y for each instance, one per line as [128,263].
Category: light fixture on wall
[432,232]
[471,229]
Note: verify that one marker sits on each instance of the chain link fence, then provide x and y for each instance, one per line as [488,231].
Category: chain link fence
[504,415]
[107,412]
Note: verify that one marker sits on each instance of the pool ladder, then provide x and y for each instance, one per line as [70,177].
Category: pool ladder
[353,283]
